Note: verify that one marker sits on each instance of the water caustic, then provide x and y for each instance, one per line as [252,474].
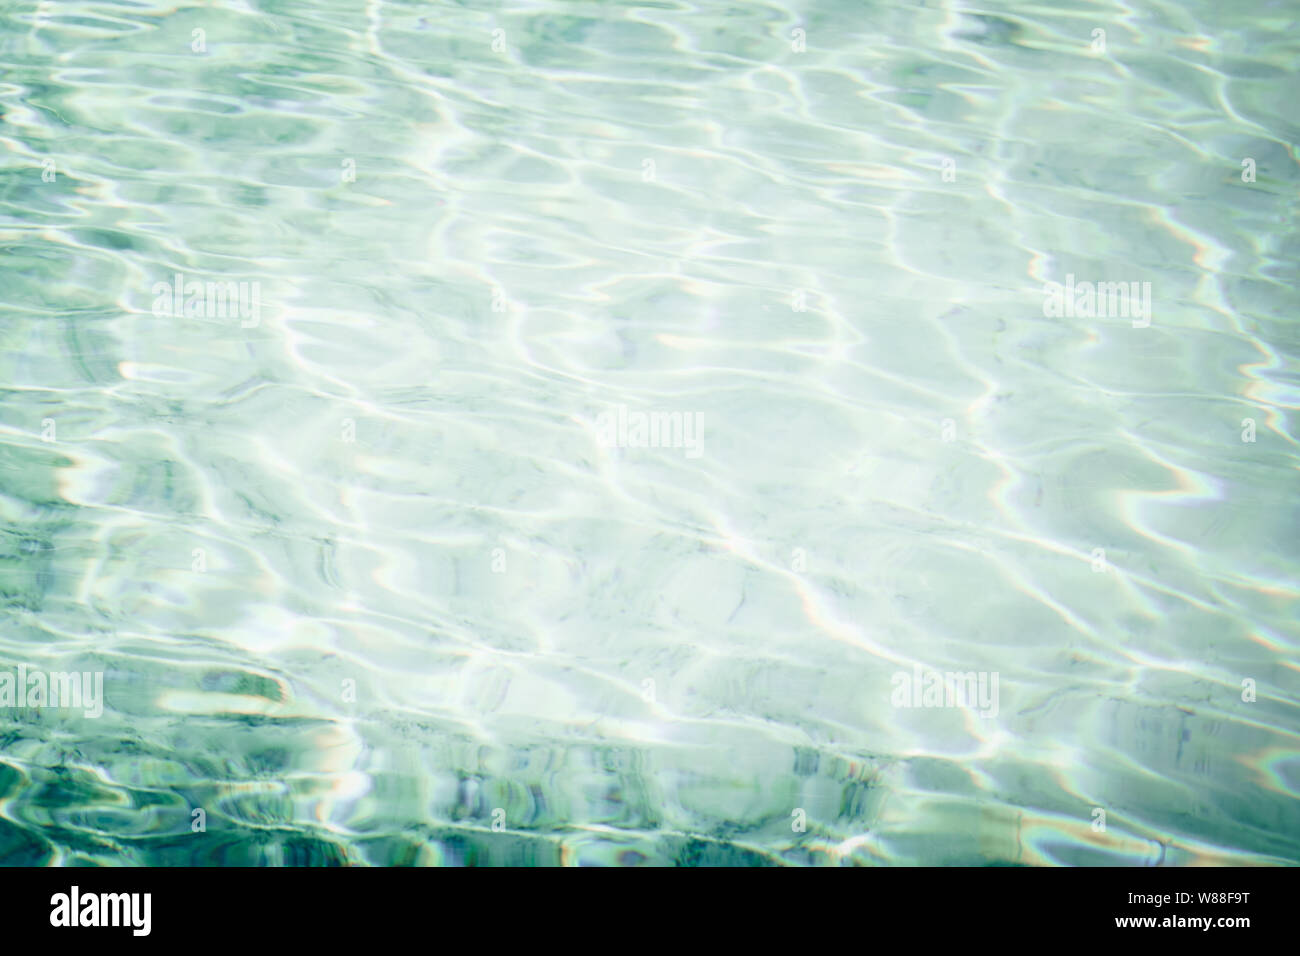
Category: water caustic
[648,433]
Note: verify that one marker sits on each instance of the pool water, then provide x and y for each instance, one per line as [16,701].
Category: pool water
[658,433]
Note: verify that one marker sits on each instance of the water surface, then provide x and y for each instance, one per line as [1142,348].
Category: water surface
[370,582]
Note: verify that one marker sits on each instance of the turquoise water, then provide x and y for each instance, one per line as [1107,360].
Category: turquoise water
[383,558]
